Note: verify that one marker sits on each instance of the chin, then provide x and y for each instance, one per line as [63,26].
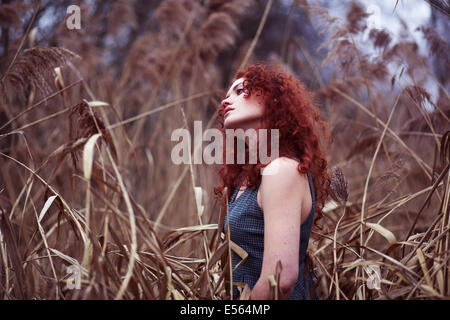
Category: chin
[228,124]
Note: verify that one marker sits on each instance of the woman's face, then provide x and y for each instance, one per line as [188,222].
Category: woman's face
[242,111]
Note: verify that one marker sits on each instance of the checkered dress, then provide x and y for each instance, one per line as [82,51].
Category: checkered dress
[246,220]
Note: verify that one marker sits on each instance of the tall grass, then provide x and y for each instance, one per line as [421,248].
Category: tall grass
[87,179]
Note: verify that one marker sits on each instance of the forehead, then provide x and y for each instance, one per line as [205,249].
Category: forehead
[235,84]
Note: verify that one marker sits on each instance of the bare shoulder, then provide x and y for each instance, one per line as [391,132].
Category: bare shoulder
[281,162]
[280,178]
[282,168]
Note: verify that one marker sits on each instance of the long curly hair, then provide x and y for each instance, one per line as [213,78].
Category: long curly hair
[290,108]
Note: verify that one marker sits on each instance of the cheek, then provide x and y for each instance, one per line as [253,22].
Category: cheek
[259,108]
[253,109]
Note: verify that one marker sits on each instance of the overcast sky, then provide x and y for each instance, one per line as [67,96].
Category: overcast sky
[384,15]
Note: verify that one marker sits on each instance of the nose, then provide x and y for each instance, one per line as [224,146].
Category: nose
[225,103]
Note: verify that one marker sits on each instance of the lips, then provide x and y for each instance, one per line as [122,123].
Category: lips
[227,109]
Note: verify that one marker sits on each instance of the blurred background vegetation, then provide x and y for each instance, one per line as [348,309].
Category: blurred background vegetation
[140,227]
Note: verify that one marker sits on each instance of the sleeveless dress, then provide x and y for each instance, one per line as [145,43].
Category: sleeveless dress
[246,220]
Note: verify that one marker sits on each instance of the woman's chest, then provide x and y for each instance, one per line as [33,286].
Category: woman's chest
[257,198]
[246,219]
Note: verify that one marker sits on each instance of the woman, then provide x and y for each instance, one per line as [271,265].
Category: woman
[270,215]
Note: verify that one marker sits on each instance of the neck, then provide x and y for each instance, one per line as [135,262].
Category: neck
[252,138]
[252,134]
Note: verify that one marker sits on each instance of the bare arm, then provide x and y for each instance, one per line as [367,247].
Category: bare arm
[281,202]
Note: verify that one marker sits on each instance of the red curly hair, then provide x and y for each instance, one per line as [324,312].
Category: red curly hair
[289,107]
